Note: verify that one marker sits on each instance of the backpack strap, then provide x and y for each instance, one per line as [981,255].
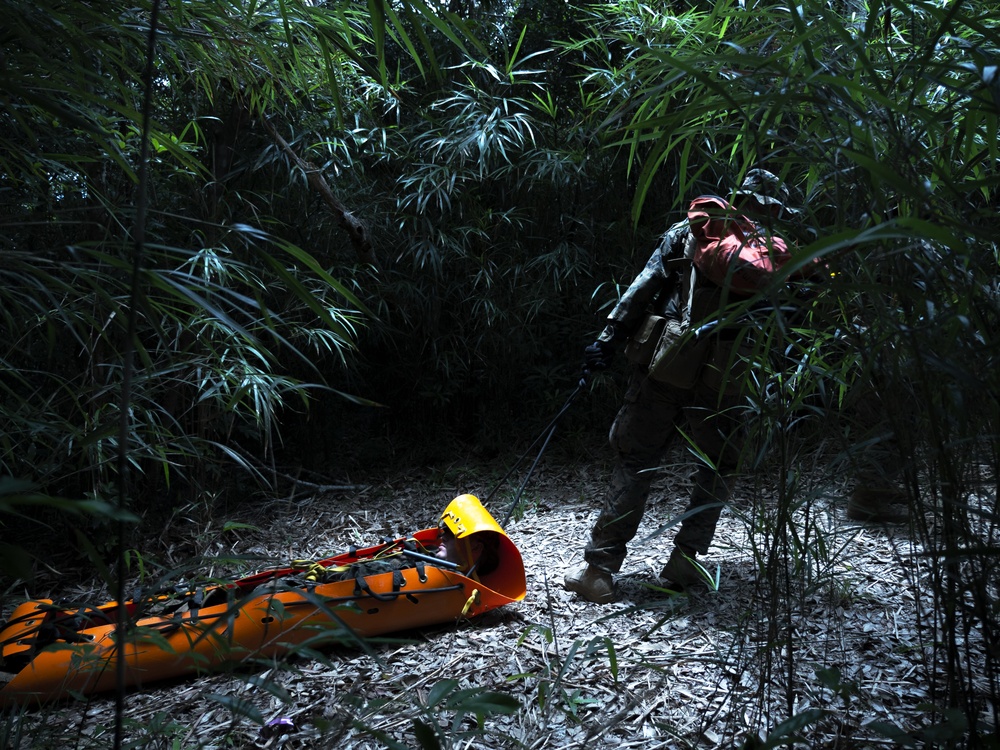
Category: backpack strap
[361,586]
[689,280]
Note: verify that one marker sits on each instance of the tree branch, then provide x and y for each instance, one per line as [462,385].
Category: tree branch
[354,227]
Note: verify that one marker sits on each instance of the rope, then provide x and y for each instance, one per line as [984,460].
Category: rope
[547,433]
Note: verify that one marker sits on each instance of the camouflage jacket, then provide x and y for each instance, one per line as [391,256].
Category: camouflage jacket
[656,289]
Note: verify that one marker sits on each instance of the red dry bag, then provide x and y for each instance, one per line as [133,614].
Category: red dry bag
[731,249]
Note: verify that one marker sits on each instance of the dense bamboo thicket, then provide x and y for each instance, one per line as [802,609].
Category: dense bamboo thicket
[311,237]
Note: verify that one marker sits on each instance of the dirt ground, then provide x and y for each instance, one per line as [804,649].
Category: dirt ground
[829,630]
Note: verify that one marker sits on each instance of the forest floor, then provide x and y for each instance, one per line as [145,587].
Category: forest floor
[828,625]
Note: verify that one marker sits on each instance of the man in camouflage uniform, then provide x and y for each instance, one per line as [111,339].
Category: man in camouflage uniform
[648,419]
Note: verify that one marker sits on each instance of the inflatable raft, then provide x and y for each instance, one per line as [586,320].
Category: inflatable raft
[52,652]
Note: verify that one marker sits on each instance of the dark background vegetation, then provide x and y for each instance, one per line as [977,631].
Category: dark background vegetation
[350,236]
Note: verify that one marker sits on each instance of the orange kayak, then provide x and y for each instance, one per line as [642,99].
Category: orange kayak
[52,652]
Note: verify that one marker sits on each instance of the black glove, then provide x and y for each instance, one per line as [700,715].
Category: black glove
[598,356]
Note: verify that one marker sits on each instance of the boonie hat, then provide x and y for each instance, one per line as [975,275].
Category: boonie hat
[765,187]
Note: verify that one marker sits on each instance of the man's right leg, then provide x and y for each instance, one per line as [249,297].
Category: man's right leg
[639,437]
[621,513]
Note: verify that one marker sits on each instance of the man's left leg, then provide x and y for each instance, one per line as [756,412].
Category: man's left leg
[716,429]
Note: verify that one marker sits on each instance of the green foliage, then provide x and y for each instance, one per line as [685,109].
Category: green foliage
[948,730]
[553,684]
[446,698]
[11,730]
[222,302]
[883,120]
[831,679]
[787,733]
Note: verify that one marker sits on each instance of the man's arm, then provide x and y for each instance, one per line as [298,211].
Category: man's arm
[653,284]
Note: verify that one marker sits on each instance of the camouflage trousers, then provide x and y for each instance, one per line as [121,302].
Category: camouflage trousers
[647,423]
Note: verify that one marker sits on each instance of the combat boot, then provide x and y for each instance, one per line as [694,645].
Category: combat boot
[593,584]
[681,570]
[879,502]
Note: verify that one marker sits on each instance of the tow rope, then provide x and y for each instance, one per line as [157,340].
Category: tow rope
[543,437]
